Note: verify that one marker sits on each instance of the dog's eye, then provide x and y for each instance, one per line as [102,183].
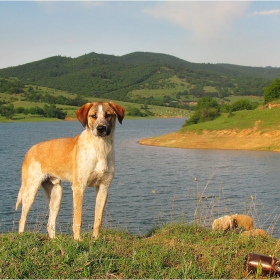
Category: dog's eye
[107,115]
[94,116]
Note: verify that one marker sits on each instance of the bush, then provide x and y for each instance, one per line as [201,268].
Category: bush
[207,109]
[20,110]
[207,102]
[7,111]
[272,91]
[242,104]
[133,111]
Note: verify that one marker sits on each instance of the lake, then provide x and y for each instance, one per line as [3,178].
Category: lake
[152,185]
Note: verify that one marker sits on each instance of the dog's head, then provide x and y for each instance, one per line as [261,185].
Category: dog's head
[100,117]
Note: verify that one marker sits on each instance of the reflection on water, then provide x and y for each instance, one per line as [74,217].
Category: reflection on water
[152,185]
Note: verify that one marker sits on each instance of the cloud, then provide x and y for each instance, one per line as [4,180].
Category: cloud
[202,19]
[268,13]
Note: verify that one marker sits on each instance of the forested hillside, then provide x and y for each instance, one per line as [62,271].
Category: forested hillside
[147,78]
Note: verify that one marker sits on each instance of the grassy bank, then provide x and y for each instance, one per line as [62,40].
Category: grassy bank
[262,120]
[243,130]
[172,251]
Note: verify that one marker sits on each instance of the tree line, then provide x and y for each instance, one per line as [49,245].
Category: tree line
[49,111]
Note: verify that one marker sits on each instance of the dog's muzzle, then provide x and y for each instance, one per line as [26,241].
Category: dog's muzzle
[103,130]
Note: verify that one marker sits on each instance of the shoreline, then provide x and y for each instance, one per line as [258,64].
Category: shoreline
[246,139]
[70,119]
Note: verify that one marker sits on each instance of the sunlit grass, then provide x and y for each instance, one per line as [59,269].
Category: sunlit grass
[262,119]
[172,251]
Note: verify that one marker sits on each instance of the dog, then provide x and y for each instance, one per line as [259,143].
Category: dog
[242,221]
[255,232]
[223,223]
[86,160]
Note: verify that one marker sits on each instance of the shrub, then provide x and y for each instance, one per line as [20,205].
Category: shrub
[207,109]
[272,91]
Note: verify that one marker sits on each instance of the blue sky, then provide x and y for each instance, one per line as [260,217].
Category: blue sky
[237,32]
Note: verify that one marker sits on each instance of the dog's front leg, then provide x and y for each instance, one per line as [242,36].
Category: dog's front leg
[101,199]
[78,195]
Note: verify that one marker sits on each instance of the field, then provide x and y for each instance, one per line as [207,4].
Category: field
[258,99]
[169,87]
[18,101]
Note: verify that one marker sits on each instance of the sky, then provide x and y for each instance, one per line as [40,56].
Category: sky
[235,32]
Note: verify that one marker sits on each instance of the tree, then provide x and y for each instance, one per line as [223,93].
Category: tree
[242,104]
[207,102]
[207,109]
[7,111]
[20,110]
[36,111]
[133,111]
[272,91]
[53,112]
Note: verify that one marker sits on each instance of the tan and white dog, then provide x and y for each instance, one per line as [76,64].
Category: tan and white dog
[86,160]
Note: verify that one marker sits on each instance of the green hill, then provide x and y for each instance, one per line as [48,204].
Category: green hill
[146,78]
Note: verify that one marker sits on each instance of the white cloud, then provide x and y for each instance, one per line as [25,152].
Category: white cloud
[268,13]
[203,19]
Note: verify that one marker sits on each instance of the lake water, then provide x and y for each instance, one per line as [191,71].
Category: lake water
[152,185]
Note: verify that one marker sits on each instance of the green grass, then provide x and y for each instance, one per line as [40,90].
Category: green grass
[267,119]
[172,251]
[234,98]
[176,85]
[55,92]
[209,89]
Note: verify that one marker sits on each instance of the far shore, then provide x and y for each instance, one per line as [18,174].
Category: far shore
[72,118]
[246,139]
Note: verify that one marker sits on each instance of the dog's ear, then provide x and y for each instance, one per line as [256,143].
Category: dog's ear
[82,113]
[120,111]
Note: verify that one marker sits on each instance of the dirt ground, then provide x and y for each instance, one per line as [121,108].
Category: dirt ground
[247,139]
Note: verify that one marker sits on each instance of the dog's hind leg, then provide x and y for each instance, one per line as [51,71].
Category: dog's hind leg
[53,191]
[27,196]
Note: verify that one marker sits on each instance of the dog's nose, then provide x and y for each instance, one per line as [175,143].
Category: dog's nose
[101,128]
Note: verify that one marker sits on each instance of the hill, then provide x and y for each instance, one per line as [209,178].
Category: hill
[246,130]
[142,77]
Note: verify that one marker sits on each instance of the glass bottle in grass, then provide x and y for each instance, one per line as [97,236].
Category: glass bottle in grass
[262,265]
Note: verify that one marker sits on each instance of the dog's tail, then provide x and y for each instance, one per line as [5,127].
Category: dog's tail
[19,198]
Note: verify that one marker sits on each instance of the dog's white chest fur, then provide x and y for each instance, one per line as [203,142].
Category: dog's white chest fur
[99,161]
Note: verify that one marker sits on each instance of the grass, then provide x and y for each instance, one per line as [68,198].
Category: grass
[172,251]
[234,98]
[266,119]
[176,85]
